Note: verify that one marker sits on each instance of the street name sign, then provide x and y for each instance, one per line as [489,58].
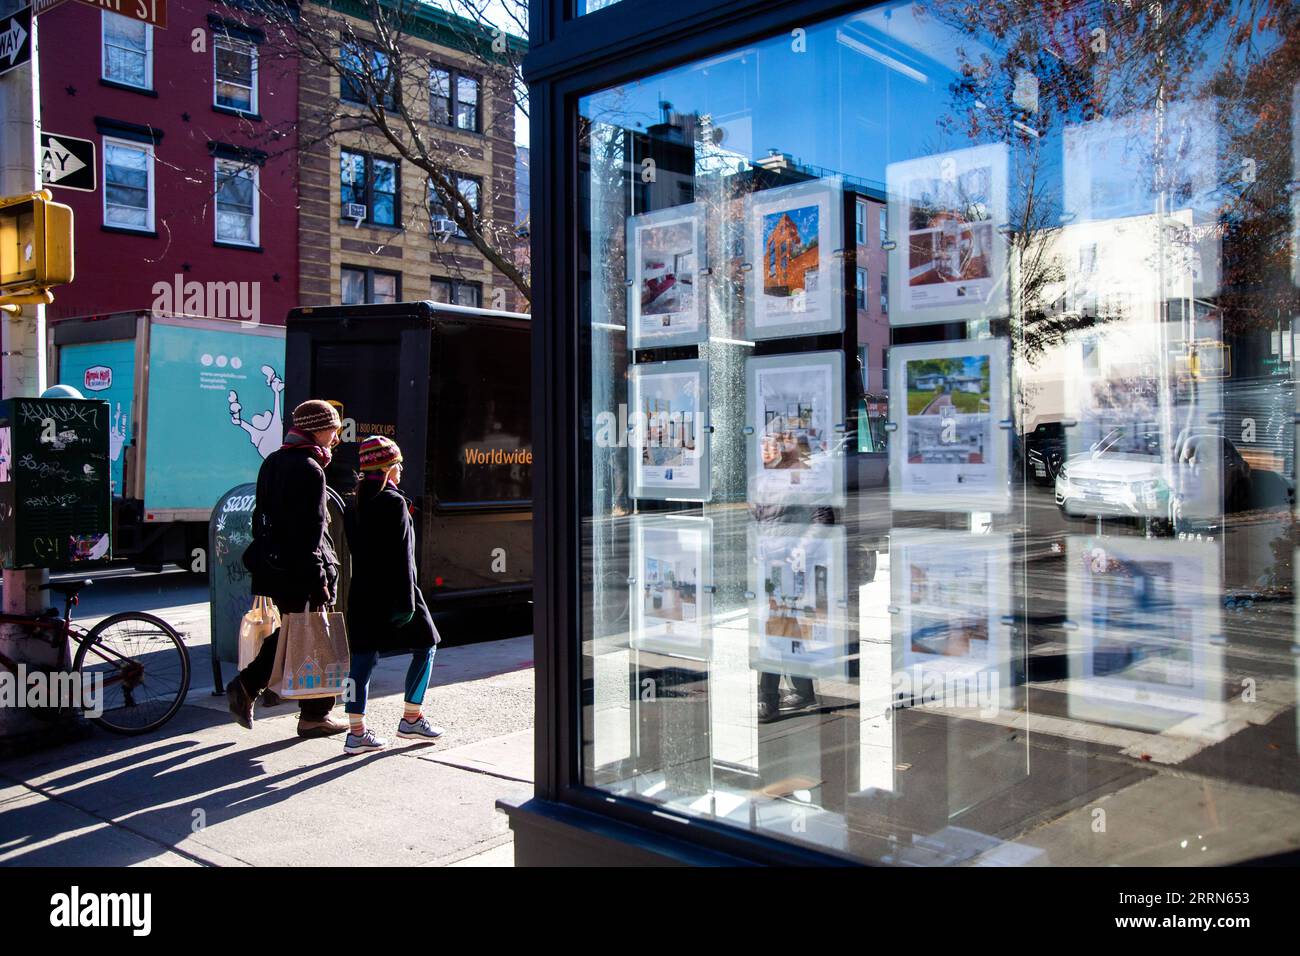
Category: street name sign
[15,40]
[153,12]
[67,162]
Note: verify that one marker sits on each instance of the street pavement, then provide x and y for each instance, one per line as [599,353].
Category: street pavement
[203,791]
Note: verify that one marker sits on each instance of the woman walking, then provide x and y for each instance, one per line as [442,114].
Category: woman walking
[386,611]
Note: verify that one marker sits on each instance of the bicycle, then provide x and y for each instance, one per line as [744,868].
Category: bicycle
[141,660]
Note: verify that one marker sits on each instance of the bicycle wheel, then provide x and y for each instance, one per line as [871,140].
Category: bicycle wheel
[144,668]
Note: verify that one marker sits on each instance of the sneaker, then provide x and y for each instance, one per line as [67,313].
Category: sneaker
[418,729]
[363,744]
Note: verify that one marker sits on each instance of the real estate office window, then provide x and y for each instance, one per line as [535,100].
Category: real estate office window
[361,286]
[237,203]
[370,181]
[234,82]
[127,51]
[128,185]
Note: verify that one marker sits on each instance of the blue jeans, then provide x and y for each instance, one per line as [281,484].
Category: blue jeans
[417,677]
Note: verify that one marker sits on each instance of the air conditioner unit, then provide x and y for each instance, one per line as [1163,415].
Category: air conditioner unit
[446,227]
[354,210]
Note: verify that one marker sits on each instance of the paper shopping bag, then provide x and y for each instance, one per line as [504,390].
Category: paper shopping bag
[312,657]
[258,624]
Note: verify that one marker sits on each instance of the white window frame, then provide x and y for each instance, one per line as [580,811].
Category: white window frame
[217,40]
[148,149]
[860,222]
[864,279]
[103,59]
[256,229]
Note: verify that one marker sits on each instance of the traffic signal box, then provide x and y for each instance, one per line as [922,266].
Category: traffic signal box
[35,247]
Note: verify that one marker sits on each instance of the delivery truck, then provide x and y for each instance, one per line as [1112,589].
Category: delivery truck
[451,385]
[194,407]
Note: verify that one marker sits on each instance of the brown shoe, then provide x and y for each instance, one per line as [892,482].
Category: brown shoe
[240,703]
[321,728]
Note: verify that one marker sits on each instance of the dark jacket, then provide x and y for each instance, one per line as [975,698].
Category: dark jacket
[295,557]
[386,611]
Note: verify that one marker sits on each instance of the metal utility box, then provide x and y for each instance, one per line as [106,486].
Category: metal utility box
[55,505]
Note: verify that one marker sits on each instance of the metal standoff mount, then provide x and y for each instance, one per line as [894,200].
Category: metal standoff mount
[747,430]
[889,244]
[747,267]
[709,588]
[1006,423]
[891,426]
[749,595]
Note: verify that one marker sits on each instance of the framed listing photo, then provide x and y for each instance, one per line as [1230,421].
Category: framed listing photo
[799,608]
[952,590]
[672,585]
[665,250]
[795,428]
[669,441]
[950,452]
[949,263]
[1147,648]
[794,284]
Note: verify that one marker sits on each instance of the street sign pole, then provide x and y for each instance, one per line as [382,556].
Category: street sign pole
[22,364]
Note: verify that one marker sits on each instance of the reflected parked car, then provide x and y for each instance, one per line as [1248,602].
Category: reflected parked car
[1124,475]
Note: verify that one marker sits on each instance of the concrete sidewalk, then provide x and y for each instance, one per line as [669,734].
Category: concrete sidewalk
[204,791]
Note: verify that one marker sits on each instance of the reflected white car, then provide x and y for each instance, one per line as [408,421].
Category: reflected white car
[1124,486]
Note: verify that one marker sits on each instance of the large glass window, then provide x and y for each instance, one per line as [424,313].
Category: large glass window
[1029,599]
[368,188]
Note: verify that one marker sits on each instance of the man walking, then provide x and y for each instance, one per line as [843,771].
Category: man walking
[292,559]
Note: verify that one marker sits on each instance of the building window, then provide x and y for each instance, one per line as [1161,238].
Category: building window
[128,185]
[237,203]
[456,292]
[234,74]
[372,182]
[453,99]
[884,292]
[860,222]
[863,279]
[884,224]
[366,69]
[127,50]
[470,187]
[361,286]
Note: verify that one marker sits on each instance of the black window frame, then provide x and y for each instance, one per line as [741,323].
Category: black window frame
[454,286]
[349,86]
[370,272]
[460,179]
[454,75]
[369,187]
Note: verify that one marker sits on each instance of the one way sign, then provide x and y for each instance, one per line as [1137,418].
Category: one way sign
[68,162]
[15,40]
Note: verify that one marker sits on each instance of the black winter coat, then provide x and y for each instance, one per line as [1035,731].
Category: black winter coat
[386,611]
[291,502]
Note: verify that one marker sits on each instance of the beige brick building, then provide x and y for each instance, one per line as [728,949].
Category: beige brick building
[367,216]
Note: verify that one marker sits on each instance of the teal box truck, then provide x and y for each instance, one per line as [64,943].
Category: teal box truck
[194,407]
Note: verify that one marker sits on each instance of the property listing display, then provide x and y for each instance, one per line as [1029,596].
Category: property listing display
[672,585]
[1147,651]
[665,253]
[948,260]
[794,275]
[798,619]
[795,431]
[669,442]
[949,452]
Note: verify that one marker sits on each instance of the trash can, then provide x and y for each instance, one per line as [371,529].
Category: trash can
[230,531]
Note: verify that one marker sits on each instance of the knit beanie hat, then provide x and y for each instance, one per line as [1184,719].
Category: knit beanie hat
[378,454]
[316,415]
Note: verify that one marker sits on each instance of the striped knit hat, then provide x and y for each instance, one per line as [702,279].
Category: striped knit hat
[316,415]
[378,454]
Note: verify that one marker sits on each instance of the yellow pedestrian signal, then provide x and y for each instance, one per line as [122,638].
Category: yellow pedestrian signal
[35,245]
